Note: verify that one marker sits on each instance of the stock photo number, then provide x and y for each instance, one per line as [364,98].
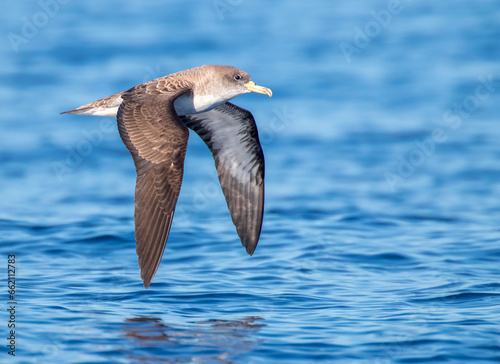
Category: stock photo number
[11,304]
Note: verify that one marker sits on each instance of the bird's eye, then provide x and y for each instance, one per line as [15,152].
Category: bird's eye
[237,77]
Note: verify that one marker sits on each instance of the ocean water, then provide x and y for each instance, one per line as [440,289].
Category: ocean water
[381,237]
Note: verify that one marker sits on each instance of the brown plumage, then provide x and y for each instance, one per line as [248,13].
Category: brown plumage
[153,121]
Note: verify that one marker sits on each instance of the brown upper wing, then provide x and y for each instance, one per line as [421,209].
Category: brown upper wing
[231,135]
[157,140]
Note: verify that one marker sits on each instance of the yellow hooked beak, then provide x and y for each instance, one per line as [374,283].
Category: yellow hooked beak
[252,87]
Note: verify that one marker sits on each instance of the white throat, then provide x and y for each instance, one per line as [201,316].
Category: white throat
[188,105]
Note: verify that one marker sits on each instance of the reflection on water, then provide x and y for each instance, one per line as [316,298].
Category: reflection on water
[218,338]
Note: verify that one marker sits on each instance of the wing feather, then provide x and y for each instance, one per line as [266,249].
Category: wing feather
[231,135]
[157,140]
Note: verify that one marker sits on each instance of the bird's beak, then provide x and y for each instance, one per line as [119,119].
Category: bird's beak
[252,87]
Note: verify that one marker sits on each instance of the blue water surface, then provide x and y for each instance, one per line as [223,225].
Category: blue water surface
[381,237]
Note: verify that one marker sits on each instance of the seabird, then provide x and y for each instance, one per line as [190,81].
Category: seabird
[153,121]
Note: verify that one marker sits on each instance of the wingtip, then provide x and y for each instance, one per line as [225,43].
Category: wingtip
[146,281]
[250,248]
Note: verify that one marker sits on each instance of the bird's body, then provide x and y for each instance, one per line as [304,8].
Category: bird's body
[153,121]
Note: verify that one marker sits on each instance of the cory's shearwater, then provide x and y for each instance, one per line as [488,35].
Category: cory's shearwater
[153,121]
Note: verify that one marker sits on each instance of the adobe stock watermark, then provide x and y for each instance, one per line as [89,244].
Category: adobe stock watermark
[364,35]
[422,321]
[222,7]
[84,147]
[300,269]
[203,198]
[452,119]
[152,73]
[323,249]
[278,122]
[30,26]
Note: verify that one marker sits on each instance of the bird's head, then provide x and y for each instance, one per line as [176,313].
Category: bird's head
[233,81]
